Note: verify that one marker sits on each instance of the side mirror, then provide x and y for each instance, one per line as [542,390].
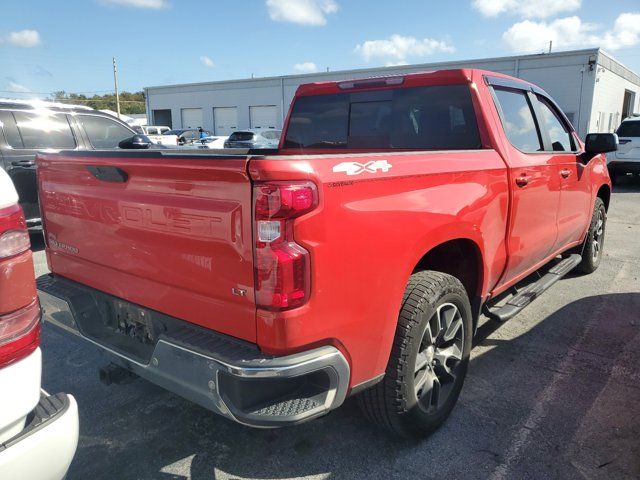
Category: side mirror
[596,143]
[136,142]
[601,143]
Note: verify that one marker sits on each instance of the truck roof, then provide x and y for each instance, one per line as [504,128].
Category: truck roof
[434,77]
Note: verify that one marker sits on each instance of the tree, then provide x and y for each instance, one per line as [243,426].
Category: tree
[129,102]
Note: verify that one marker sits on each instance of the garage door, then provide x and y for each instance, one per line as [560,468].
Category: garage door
[162,118]
[225,120]
[264,116]
[191,117]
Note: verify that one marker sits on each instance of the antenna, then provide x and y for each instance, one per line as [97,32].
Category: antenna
[115,83]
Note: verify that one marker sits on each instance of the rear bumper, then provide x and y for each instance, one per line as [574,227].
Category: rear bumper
[223,374]
[45,447]
[622,167]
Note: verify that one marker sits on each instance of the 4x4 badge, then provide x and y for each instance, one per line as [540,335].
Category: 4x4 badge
[355,168]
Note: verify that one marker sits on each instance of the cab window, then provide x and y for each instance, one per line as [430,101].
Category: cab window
[44,130]
[518,120]
[559,135]
[102,132]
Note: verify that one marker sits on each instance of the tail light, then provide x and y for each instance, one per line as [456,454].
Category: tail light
[282,267]
[19,329]
[19,333]
[14,236]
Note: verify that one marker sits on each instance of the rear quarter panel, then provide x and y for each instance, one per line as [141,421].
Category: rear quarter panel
[368,234]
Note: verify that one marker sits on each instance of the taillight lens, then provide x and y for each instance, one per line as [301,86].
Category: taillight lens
[282,267]
[14,236]
[19,333]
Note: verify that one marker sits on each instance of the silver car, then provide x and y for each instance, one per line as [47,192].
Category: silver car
[254,139]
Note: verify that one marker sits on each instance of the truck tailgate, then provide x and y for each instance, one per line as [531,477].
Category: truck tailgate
[168,231]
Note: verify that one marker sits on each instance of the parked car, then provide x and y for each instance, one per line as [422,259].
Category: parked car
[29,126]
[253,139]
[185,136]
[38,431]
[157,134]
[214,142]
[356,259]
[626,160]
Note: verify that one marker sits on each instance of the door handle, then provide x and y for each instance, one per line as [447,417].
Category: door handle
[108,174]
[522,180]
[565,173]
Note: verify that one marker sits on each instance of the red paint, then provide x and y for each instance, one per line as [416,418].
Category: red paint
[19,307]
[179,235]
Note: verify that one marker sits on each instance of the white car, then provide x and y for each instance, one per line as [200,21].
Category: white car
[627,158]
[38,431]
[157,134]
[210,142]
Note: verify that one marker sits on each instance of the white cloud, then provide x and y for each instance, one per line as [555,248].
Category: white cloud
[305,67]
[148,4]
[625,32]
[16,87]
[526,8]
[24,38]
[303,12]
[207,62]
[571,32]
[396,50]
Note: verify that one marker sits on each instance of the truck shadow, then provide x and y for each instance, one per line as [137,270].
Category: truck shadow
[528,400]
[628,184]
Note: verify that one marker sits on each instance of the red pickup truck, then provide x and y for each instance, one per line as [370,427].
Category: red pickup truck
[354,259]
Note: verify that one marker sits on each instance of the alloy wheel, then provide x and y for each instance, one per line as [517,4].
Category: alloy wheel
[440,357]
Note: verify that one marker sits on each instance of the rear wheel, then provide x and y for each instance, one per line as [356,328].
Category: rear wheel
[429,358]
[592,248]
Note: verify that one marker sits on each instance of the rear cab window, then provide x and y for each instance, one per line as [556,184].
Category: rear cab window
[629,128]
[241,136]
[414,118]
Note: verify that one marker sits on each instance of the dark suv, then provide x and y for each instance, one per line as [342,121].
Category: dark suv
[29,126]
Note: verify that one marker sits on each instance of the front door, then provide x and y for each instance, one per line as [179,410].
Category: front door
[534,185]
[574,211]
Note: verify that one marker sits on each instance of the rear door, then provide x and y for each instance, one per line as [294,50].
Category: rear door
[26,132]
[534,185]
[164,230]
[574,210]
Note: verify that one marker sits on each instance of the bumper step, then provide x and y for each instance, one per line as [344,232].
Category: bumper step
[226,375]
[529,293]
[48,409]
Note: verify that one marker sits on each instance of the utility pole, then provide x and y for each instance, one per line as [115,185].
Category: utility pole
[550,45]
[115,82]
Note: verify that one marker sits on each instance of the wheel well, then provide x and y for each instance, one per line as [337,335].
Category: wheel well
[605,194]
[460,258]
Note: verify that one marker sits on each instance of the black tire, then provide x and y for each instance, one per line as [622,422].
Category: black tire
[395,403]
[593,245]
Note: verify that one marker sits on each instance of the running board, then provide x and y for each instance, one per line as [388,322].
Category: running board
[528,294]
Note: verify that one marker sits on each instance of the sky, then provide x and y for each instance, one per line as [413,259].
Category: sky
[49,46]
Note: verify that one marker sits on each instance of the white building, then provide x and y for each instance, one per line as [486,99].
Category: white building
[594,90]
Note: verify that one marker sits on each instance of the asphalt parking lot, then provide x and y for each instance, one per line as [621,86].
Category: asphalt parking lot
[553,393]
